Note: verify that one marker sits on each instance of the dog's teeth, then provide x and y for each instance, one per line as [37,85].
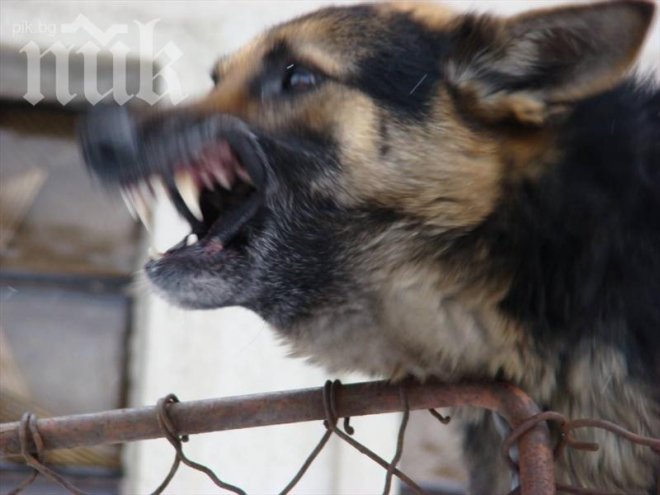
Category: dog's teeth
[140,197]
[224,177]
[137,202]
[189,192]
[158,186]
[154,254]
[206,179]
[128,201]
[191,239]
[242,173]
[146,191]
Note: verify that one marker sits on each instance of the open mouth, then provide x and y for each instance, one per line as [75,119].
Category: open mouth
[211,169]
[214,193]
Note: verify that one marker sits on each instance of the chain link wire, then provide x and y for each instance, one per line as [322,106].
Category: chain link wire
[33,451]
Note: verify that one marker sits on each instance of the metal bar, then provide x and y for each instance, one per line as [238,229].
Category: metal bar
[359,399]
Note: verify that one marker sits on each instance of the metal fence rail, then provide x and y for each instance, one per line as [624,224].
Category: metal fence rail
[175,420]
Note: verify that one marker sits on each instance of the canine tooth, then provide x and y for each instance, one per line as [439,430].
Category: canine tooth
[157,185]
[189,192]
[141,202]
[126,196]
[242,173]
[191,239]
[154,254]
[224,177]
[146,191]
[206,179]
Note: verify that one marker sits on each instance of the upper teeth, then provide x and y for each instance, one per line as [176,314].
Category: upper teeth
[225,177]
[242,173]
[128,200]
[206,179]
[187,187]
[157,186]
[138,202]
[219,168]
[142,201]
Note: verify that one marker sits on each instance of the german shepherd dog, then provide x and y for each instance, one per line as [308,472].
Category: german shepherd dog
[403,190]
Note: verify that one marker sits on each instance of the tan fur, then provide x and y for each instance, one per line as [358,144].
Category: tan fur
[458,186]
[430,14]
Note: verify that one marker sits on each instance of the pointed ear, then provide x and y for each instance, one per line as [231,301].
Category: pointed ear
[529,67]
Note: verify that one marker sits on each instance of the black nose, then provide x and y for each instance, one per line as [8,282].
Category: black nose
[109,140]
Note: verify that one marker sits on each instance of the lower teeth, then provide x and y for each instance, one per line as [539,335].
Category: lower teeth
[191,239]
[154,254]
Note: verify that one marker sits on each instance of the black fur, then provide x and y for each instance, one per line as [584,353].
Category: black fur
[404,66]
[583,241]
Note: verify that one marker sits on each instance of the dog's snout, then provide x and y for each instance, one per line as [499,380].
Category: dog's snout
[109,140]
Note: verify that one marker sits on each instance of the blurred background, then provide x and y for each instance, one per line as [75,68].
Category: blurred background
[79,330]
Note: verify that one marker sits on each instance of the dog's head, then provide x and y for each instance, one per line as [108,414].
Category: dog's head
[351,139]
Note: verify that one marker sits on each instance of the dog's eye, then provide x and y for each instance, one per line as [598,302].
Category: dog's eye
[298,78]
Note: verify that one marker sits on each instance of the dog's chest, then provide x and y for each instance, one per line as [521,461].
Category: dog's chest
[409,328]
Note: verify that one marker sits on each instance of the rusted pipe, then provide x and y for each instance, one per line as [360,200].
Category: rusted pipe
[359,399]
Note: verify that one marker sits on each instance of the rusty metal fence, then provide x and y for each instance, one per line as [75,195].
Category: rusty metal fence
[30,438]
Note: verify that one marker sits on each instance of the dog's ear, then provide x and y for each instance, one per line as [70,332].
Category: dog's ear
[528,67]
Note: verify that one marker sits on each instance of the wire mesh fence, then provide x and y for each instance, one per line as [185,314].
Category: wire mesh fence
[31,438]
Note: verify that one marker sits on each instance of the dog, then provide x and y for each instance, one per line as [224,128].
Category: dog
[402,190]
